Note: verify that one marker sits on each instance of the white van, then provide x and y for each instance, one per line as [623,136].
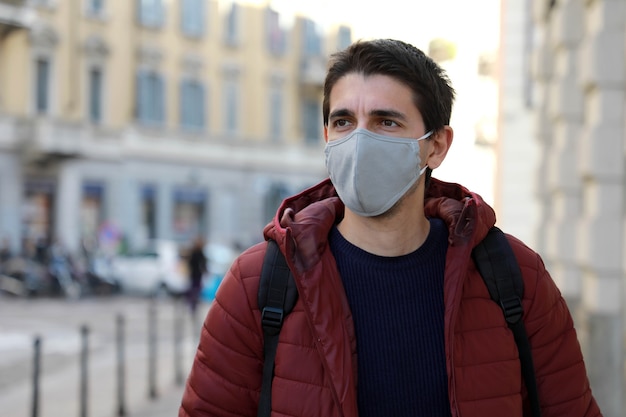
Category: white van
[158,270]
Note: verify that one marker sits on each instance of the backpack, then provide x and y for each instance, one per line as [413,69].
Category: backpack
[494,259]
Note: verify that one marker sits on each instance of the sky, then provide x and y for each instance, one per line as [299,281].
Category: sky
[413,21]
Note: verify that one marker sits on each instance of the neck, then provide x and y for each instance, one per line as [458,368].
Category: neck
[396,233]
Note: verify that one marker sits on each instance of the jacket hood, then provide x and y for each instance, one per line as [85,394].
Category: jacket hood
[467,215]
[302,222]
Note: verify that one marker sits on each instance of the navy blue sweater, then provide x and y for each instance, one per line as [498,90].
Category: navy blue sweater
[398,311]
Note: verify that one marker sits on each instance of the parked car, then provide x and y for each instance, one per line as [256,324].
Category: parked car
[157,271]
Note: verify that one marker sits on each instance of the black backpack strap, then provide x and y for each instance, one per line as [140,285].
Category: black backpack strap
[276,298]
[497,265]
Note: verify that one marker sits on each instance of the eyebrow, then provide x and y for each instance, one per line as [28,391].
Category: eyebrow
[340,113]
[388,113]
[378,113]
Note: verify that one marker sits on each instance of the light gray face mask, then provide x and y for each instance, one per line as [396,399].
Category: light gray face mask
[371,172]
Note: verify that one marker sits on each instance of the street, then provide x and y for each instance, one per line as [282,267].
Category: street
[82,372]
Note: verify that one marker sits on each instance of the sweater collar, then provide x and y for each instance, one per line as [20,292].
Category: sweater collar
[303,221]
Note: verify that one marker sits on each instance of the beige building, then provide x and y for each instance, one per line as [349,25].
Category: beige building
[155,119]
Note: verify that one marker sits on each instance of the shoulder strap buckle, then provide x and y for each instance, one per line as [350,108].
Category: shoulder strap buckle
[513,310]
[272,319]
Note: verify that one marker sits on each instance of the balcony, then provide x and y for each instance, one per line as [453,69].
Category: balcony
[43,141]
[15,14]
[313,71]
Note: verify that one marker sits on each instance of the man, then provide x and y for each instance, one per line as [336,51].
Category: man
[197,266]
[393,318]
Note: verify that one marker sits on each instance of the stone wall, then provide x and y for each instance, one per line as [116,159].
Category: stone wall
[579,82]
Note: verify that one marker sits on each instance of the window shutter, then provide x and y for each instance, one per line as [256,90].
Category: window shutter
[159,13]
[200,109]
[139,11]
[186,103]
[186,16]
[143,97]
[160,99]
[181,105]
[200,16]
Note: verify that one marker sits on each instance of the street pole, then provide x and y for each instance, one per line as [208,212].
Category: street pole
[178,335]
[36,374]
[152,348]
[121,367]
[84,357]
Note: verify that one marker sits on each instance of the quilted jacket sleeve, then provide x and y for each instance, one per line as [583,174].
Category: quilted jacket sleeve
[225,377]
[559,367]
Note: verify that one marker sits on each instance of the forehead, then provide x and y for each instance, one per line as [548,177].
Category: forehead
[355,91]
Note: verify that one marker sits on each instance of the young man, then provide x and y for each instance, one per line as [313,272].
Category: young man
[393,318]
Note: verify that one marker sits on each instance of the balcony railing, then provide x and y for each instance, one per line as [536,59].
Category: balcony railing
[15,14]
[313,71]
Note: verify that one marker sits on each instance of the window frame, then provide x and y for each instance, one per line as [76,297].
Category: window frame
[193,18]
[99,103]
[94,11]
[151,13]
[38,93]
[311,121]
[232,25]
[192,106]
[150,98]
[276,108]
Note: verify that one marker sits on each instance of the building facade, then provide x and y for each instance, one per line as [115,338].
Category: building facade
[129,120]
[577,95]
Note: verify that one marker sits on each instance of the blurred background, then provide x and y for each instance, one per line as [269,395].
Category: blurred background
[130,127]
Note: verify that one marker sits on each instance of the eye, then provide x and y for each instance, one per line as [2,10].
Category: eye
[389,123]
[341,123]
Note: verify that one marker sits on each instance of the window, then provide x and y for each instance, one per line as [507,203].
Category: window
[37,209]
[231,36]
[42,85]
[95,7]
[276,39]
[95,95]
[276,114]
[312,121]
[192,15]
[312,41]
[345,38]
[150,98]
[192,107]
[231,107]
[150,13]
[92,213]
[189,213]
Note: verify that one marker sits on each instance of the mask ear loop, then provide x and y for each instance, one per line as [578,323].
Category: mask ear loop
[425,136]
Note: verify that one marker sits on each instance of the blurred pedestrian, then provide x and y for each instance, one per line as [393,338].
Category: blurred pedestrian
[5,254]
[197,264]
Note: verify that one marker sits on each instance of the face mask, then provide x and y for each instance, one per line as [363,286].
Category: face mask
[371,172]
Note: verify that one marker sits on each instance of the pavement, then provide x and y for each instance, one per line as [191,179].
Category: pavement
[79,372]
[165,406]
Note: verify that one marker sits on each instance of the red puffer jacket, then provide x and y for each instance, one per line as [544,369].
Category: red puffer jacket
[315,369]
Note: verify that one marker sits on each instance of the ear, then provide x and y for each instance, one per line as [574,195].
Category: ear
[440,145]
[326,133]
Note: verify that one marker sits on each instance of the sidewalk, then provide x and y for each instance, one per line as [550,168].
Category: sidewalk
[166,405]
[60,388]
